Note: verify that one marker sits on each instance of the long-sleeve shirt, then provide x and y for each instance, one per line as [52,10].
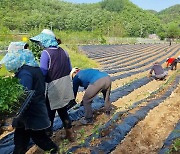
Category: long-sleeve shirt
[55,63]
[36,116]
[157,68]
[85,77]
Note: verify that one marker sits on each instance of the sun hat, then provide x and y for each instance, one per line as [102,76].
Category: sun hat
[49,32]
[15,46]
[46,38]
[18,56]
[74,70]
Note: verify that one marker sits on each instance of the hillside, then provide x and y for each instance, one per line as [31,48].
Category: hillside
[171,14]
[111,17]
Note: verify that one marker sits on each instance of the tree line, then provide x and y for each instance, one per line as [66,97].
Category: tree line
[113,18]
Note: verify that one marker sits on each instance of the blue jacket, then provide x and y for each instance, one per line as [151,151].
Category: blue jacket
[36,116]
[85,77]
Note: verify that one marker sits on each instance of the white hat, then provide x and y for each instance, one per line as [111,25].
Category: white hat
[73,71]
[49,32]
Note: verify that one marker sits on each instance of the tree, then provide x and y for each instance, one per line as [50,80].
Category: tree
[173,31]
[113,5]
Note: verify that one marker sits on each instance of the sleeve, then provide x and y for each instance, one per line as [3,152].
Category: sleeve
[44,62]
[76,83]
[68,59]
[26,79]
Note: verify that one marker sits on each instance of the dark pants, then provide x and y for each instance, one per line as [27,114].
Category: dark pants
[174,64]
[63,114]
[22,138]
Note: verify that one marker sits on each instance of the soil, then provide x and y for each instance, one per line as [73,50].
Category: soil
[148,135]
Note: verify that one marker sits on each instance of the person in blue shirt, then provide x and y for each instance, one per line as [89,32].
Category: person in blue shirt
[35,120]
[93,81]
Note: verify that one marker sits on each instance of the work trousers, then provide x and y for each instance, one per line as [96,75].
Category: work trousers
[102,85]
[22,139]
[63,114]
[174,64]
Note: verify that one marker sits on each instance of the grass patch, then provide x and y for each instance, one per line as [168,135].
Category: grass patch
[79,59]
[3,70]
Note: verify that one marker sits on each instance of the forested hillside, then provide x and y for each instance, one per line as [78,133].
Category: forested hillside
[112,17]
[171,14]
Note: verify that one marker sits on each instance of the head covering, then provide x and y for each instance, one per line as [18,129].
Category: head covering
[46,38]
[15,46]
[74,70]
[18,56]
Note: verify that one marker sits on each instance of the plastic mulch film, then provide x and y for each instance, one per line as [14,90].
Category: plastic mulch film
[6,144]
[125,126]
[140,71]
[116,68]
[175,134]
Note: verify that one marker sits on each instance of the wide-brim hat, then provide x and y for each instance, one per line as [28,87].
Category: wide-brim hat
[15,46]
[46,38]
[17,56]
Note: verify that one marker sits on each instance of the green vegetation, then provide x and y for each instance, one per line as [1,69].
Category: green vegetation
[79,59]
[83,23]
[3,71]
[110,17]
[170,20]
[175,148]
[170,14]
[10,92]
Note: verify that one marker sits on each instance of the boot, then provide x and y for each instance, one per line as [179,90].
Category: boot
[70,135]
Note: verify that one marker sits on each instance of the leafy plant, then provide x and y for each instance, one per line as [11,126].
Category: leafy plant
[10,93]
[175,147]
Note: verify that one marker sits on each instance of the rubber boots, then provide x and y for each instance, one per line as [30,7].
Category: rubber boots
[70,135]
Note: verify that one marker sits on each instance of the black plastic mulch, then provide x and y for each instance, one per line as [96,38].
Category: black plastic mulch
[120,131]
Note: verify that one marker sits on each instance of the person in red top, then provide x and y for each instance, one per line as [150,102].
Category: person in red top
[173,63]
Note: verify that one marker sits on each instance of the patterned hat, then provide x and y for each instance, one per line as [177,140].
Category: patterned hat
[46,38]
[18,56]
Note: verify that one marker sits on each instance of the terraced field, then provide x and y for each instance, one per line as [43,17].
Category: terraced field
[144,111]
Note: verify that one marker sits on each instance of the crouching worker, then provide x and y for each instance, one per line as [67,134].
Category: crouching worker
[35,118]
[172,62]
[159,72]
[94,82]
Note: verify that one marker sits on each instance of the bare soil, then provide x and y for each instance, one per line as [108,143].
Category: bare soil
[148,135]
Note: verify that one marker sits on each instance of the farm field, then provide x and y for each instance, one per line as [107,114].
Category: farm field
[144,111]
